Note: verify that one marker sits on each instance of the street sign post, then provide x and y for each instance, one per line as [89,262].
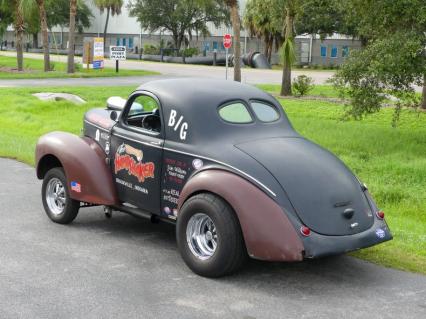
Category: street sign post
[117,53]
[227,43]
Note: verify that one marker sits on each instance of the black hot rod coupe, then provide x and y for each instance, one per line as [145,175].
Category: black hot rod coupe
[222,161]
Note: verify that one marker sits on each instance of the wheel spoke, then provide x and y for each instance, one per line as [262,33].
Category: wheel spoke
[55,196]
[201,236]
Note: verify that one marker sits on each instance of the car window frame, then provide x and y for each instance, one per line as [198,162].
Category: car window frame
[248,108]
[126,110]
[269,104]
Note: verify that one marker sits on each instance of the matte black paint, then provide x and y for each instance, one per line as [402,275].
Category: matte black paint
[315,181]
[311,185]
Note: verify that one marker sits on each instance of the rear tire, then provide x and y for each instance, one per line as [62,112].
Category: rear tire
[58,204]
[209,236]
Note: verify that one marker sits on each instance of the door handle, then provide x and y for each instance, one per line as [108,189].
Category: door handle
[160,143]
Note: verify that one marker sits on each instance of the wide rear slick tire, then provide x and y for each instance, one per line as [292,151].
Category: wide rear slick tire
[58,204]
[209,236]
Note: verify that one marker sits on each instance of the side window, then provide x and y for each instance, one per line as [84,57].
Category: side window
[144,113]
[235,113]
[265,112]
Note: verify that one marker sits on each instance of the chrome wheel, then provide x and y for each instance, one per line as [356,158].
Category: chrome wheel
[201,236]
[55,196]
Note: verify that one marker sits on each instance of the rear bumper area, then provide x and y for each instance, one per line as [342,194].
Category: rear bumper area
[317,245]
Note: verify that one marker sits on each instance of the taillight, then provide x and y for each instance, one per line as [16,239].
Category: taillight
[305,231]
[380,214]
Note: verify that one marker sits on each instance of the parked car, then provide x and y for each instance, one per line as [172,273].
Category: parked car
[222,161]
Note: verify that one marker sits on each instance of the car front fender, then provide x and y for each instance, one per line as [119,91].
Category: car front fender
[84,163]
[267,231]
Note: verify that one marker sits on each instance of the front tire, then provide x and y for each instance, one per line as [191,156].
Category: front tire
[209,236]
[58,204]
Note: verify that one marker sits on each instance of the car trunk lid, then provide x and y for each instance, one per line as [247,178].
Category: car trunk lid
[325,194]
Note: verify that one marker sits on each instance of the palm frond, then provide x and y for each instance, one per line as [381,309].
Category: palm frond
[287,52]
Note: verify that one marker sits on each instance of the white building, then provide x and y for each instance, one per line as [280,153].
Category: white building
[125,30]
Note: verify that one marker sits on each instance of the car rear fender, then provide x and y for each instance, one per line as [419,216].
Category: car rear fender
[84,163]
[267,231]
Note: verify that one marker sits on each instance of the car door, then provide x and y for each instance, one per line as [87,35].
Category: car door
[136,152]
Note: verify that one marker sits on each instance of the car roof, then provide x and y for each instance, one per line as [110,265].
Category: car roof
[211,90]
[197,101]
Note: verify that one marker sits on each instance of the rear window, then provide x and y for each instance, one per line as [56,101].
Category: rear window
[235,113]
[265,112]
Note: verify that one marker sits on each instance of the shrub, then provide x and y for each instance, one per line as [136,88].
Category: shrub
[189,52]
[151,49]
[302,85]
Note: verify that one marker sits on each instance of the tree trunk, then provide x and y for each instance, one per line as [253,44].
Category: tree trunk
[265,51]
[271,46]
[71,36]
[106,26]
[286,80]
[424,93]
[178,39]
[35,41]
[19,29]
[236,26]
[45,37]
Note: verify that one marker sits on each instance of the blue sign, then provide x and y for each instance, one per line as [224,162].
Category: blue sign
[98,64]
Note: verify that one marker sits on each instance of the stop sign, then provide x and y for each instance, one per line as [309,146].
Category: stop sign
[227,41]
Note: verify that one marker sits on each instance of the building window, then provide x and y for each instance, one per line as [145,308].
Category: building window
[345,51]
[117,42]
[124,42]
[215,45]
[323,51]
[334,51]
[131,43]
[206,46]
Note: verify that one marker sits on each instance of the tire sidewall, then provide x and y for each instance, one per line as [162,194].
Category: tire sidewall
[212,265]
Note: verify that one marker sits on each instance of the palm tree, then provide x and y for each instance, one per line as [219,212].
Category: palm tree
[288,55]
[44,28]
[263,19]
[112,7]
[19,26]
[236,26]
[71,35]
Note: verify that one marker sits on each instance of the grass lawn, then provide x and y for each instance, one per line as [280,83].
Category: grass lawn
[391,161]
[33,69]
[318,90]
[309,69]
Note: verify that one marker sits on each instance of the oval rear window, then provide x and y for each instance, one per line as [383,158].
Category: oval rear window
[265,112]
[235,113]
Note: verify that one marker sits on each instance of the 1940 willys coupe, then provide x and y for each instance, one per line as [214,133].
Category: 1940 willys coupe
[222,161]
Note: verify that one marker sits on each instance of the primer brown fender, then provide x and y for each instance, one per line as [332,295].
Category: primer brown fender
[268,233]
[84,162]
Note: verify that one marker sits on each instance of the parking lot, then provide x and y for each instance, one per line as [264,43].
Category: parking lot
[129,268]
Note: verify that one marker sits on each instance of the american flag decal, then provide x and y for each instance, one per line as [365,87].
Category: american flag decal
[76,187]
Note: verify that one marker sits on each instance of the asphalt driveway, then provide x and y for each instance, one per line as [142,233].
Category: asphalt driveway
[129,268]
